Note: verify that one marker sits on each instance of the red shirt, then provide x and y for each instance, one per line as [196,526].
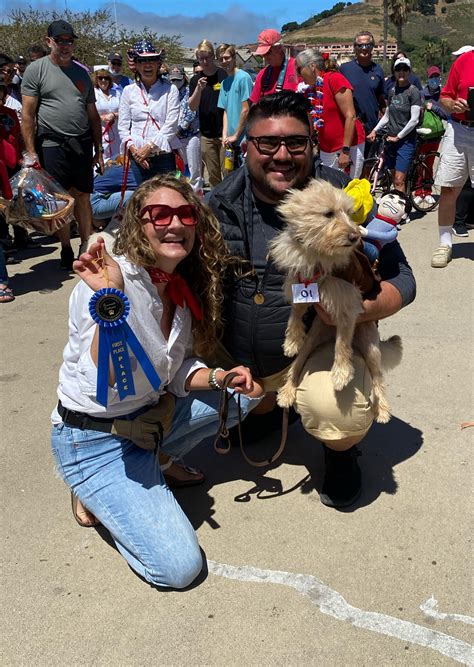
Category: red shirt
[460,79]
[290,81]
[331,135]
[10,137]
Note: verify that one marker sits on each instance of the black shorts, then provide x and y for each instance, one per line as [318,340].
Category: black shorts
[69,168]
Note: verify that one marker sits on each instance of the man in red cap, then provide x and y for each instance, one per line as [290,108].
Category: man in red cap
[280,72]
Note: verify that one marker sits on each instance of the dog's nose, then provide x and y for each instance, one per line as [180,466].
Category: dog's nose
[353,237]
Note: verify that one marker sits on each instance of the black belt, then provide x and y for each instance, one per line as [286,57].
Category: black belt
[466,123]
[83,421]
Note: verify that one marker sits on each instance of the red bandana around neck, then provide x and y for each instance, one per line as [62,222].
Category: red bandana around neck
[178,290]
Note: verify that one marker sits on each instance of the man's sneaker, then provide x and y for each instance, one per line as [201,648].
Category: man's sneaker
[442,257]
[342,483]
[418,200]
[460,229]
[67,258]
[430,200]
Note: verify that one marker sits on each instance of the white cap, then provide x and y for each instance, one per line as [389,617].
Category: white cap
[402,61]
[463,49]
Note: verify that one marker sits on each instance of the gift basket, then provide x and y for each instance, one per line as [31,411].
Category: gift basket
[38,202]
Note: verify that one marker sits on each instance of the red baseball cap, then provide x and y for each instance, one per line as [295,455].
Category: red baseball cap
[431,71]
[267,39]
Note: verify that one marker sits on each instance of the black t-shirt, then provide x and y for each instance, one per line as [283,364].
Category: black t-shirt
[210,116]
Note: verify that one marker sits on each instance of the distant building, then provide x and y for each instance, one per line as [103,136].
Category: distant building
[341,51]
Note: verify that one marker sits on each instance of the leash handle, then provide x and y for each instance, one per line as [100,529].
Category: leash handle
[223,431]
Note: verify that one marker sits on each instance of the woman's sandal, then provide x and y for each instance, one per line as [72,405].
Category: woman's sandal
[6,295]
[178,475]
[82,515]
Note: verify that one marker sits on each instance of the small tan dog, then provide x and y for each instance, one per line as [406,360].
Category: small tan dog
[319,239]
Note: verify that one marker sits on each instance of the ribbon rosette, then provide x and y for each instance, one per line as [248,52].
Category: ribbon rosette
[109,308]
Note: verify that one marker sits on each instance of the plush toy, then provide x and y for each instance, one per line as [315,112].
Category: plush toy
[393,208]
[359,191]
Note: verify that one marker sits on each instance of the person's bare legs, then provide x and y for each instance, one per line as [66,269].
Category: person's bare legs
[446,215]
[83,213]
[399,180]
[447,206]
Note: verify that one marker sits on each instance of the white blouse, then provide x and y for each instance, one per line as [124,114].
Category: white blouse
[172,358]
[149,116]
[110,135]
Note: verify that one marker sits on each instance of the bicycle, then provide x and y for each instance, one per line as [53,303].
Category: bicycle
[378,175]
[422,191]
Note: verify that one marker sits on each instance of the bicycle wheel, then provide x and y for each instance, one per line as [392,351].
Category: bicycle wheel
[424,194]
[380,181]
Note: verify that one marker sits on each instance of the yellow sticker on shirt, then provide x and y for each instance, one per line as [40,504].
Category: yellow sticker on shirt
[216,86]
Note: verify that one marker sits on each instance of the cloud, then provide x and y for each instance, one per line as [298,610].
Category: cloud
[235,25]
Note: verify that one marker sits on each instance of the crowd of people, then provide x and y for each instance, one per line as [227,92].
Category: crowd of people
[194,275]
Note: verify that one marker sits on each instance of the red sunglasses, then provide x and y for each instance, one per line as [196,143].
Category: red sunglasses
[161,215]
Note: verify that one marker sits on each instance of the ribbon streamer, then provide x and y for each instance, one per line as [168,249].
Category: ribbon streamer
[109,308]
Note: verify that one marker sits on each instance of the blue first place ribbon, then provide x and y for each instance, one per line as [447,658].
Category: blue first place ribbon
[109,308]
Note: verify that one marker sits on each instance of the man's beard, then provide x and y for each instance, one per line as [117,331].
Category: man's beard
[275,194]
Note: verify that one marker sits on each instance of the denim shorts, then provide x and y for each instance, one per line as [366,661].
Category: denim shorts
[399,155]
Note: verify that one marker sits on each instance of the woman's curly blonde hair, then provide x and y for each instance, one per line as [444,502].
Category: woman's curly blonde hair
[202,269]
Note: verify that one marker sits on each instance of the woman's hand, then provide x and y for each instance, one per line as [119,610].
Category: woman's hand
[97,268]
[243,383]
[140,155]
[343,160]
[371,136]
[393,140]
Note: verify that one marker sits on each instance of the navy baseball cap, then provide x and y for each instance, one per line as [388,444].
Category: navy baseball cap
[57,28]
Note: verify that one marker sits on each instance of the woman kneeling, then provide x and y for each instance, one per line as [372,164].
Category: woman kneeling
[165,229]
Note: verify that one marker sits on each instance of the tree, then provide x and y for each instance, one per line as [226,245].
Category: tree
[430,53]
[288,27]
[398,11]
[385,31]
[96,30]
[445,53]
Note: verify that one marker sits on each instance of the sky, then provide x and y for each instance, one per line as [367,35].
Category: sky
[237,21]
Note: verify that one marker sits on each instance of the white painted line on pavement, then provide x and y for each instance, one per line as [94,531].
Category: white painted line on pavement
[332,603]
[430,608]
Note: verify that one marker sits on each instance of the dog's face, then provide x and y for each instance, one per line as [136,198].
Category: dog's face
[319,220]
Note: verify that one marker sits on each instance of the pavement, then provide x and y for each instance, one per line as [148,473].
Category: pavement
[288,581]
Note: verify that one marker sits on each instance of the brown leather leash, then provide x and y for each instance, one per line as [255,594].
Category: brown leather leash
[223,431]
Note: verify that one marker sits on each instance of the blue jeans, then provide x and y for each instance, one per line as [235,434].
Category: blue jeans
[122,485]
[159,164]
[105,206]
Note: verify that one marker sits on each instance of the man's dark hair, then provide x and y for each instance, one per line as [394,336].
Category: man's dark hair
[285,103]
[5,60]
[36,48]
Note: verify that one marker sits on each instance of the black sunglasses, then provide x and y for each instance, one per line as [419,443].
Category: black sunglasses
[370,45]
[64,42]
[104,78]
[402,68]
[295,144]
[116,62]
[151,59]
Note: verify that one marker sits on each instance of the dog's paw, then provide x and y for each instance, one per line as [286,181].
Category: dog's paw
[382,416]
[382,411]
[286,396]
[341,376]
[292,347]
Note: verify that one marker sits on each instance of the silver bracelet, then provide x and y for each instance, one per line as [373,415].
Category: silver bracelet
[213,383]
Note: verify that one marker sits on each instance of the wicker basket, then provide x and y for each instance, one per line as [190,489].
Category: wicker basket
[48,223]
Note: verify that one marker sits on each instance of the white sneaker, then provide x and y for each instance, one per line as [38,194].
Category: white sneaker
[441,257]
[430,200]
[418,200]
